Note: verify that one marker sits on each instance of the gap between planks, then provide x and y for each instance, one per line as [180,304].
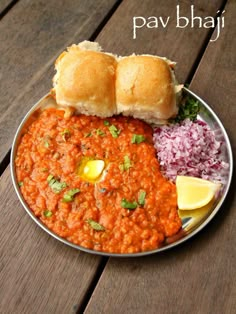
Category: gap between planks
[93,37]
[105,20]
[104,262]
[92,286]
[205,44]
[6,160]
[5,8]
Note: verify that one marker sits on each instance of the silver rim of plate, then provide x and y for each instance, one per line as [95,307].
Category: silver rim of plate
[192,224]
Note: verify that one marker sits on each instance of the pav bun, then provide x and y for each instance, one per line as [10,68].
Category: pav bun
[92,82]
[85,80]
[145,88]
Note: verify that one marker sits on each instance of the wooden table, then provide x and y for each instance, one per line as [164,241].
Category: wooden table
[38,274]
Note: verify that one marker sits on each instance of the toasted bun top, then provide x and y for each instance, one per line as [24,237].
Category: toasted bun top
[145,86]
[102,84]
[85,79]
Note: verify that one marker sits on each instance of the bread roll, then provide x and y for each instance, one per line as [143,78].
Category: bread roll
[85,80]
[102,84]
[145,88]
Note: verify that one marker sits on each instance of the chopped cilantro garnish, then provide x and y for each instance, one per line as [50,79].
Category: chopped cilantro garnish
[95,225]
[126,165]
[106,123]
[189,109]
[46,141]
[100,132]
[141,198]
[137,139]
[128,205]
[55,185]
[46,144]
[88,134]
[70,195]
[20,183]
[114,131]
[47,213]
[50,177]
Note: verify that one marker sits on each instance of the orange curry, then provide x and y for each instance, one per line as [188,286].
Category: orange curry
[129,208]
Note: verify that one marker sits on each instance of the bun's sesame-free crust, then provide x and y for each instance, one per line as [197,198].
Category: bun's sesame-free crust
[145,89]
[85,80]
[92,82]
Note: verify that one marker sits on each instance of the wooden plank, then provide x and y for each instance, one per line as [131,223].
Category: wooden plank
[217,71]
[32,35]
[177,44]
[38,274]
[199,276]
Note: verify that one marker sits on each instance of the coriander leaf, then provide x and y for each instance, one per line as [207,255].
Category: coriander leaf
[100,132]
[55,185]
[126,165]
[88,134]
[47,213]
[95,225]
[46,141]
[137,139]
[141,198]
[189,109]
[106,123]
[114,131]
[50,177]
[20,183]
[46,144]
[70,195]
[128,205]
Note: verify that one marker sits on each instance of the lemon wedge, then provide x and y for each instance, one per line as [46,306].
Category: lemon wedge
[193,193]
[93,169]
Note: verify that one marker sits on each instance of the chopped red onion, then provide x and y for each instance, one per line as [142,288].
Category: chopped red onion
[189,148]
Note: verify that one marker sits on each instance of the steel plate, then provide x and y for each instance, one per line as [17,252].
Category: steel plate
[193,221]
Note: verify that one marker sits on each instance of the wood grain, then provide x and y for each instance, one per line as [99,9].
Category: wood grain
[217,71]
[177,44]
[199,276]
[38,274]
[32,35]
